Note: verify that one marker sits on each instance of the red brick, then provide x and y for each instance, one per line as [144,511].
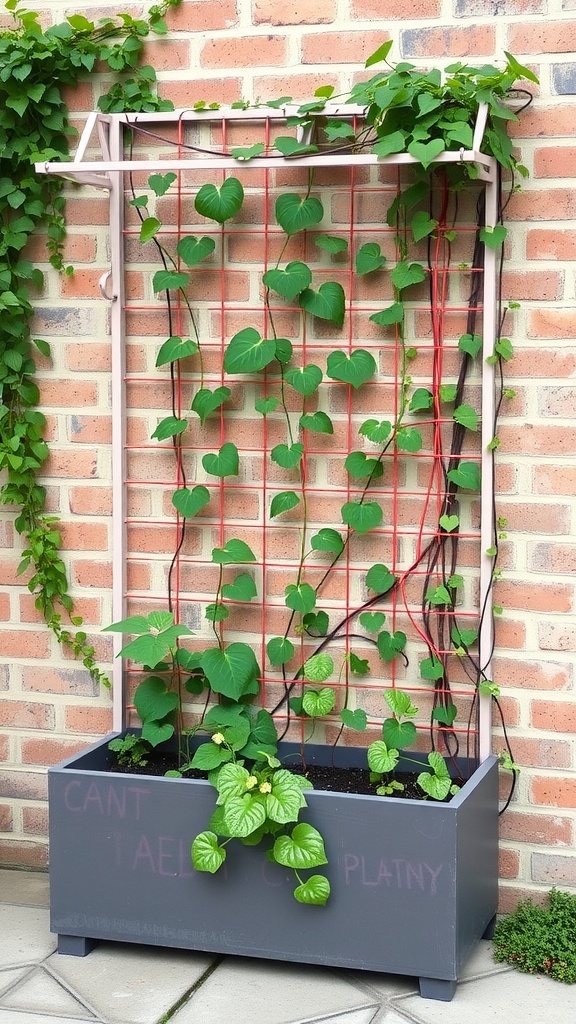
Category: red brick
[543,204]
[84,536]
[21,854]
[92,357]
[75,465]
[79,97]
[553,558]
[404,9]
[215,90]
[35,820]
[508,897]
[237,51]
[555,161]
[508,863]
[167,54]
[88,573]
[340,47]
[544,121]
[559,716]
[554,791]
[533,284]
[535,439]
[533,517]
[42,751]
[202,16]
[23,785]
[15,714]
[545,829]
[25,643]
[557,636]
[532,675]
[457,42]
[554,479]
[540,753]
[555,323]
[68,392]
[546,244]
[82,211]
[5,818]
[554,869]
[91,501]
[293,12]
[545,597]
[91,721]
[50,679]
[542,36]
[90,608]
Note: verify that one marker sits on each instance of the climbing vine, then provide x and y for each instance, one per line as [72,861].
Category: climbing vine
[36,65]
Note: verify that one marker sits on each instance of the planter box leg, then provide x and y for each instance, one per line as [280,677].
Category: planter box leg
[435,988]
[75,945]
[489,930]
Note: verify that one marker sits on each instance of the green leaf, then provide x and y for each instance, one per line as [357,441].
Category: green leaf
[332,244]
[445,715]
[248,352]
[315,891]
[193,250]
[165,280]
[354,369]
[362,517]
[279,650]
[206,401]
[283,502]
[394,314]
[380,54]
[376,431]
[242,589]
[289,146]
[426,152]
[493,237]
[152,700]
[149,227]
[284,802]
[400,703]
[209,756]
[380,579]
[406,273]
[224,463]
[287,456]
[399,734]
[466,475]
[160,183]
[438,596]
[318,668]
[216,612]
[359,666]
[408,439]
[305,380]
[232,778]
[436,785]
[316,623]
[339,130]
[266,405]
[448,392]
[381,759]
[431,668]
[295,213]
[206,854]
[504,348]
[369,258]
[470,343]
[220,204]
[189,502]
[247,152]
[233,553]
[354,719]
[289,282]
[175,348]
[318,421]
[449,523]
[395,142]
[422,225]
[301,597]
[421,400]
[304,848]
[327,540]
[230,671]
[169,427]
[391,644]
[244,814]
[328,302]
[466,416]
[372,621]
[360,467]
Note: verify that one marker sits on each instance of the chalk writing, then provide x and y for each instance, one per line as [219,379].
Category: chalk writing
[104,799]
[395,873]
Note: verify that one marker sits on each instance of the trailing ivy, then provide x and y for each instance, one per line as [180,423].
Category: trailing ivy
[36,65]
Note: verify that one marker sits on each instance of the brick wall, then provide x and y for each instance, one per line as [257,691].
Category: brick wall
[221,50]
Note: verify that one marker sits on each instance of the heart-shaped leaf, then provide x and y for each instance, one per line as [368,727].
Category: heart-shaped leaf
[426,152]
[279,650]
[316,623]
[244,814]
[431,668]
[369,258]
[395,142]
[328,303]
[283,502]
[248,352]
[206,401]
[315,891]
[287,456]
[448,392]
[284,350]
[303,849]
[421,400]
[327,540]
[223,463]
[331,244]
[160,183]
[422,225]
[398,734]
[470,343]
[193,250]
[231,670]
[284,802]
[445,715]
[207,855]
[216,612]
[301,597]
[390,644]
[234,552]
[372,621]
[381,759]
[247,152]
[318,668]
[406,273]
[466,475]
[295,213]
[318,421]
[169,427]
[449,523]
[220,204]
[377,431]
[380,579]
[175,348]
[189,502]
[157,732]
[466,416]
[289,146]
[289,282]
[266,405]
[400,703]
[408,439]
[318,703]
[242,589]
[304,379]
[165,280]
[493,237]
[394,314]
[359,466]
[149,228]
[354,369]
[354,719]
[362,518]
[210,756]
[152,700]
[438,596]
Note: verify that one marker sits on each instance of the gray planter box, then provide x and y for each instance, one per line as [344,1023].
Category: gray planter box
[414,884]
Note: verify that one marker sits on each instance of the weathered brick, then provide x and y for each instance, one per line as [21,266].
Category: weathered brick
[5,818]
[545,244]
[554,479]
[203,16]
[497,8]
[50,679]
[24,785]
[554,161]
[23,854]
[90,721]
[244,51]
[185,94]
[90,500]
[93,357]
[539,753]
[554,869]
[542,36]
[35,820]
[25,643]
[546,597]
[552,558]
[293,12]
[46,752]
[557,636]
[545,829]
[554,790]
[535,439]
[18,714]
[341,47]
[533,675]
[440,42]
[557,715]
[508,863]
[64,321]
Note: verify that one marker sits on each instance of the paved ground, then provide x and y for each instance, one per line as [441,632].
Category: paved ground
[129,984]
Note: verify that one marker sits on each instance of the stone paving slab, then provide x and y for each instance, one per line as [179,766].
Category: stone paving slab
[25,936]
[24,887]
[40,989]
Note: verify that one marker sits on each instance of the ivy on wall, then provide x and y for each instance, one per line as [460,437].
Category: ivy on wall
[36,65]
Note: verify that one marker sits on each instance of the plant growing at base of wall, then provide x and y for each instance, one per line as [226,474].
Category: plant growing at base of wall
[36,66]
[540,940]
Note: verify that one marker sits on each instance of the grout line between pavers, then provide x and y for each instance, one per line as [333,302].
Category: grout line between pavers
[191,991]
[340,1014]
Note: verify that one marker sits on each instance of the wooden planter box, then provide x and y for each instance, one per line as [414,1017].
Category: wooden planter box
[414,883]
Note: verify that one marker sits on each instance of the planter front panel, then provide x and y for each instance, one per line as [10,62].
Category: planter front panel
[409,894]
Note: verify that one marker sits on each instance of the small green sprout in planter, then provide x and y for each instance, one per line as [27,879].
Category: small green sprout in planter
[540,940]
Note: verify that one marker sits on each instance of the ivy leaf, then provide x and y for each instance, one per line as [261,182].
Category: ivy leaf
[372,621]
[493,237]
[207,854]
[318,421]
[206,401]
[354,719]
[391,644]
[283,502]
[315,891]
[175,348]
[193,250]
[242,589]
[318,668]
[466,416]
[319,703]
[470,343]
[295,213]
[426,152]
[362,518]
[328,303]
[305,380]
[287,456]
[467,475]
[422,225]
[220,204]
[380,579]
[406,273]
[355,369]
[171,426]
[289,282]
[327,540]
[304,848]
[234,552]
[231,670]
[189,502]
[279,650]
[394,314]
[301,597]
[248,352]
[332,244]
[224,463]
[369,258]
[165,280]
[360,467]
